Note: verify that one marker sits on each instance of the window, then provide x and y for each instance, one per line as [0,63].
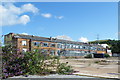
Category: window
[95,48]
[80,47]
[74,46]
[52,52]
[70,46]
[77,46]
[99,49]
[44,44]
[63,46]
[87,47]
[104,49]
[83,51]
[24,50]
[24,43]
[58,45]
[91,48]
[84,47]
[36,43]
[52,45]
[67,46]
[92,52]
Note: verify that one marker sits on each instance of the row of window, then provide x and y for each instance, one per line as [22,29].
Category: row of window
[72,46]
[63,46]
[59,52]
[71,51]
[43,44]
[24,43]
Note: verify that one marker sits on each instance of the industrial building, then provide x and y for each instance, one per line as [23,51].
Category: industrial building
[51,46]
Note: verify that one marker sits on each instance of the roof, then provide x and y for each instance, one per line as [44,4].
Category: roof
[38,38]
[32,37]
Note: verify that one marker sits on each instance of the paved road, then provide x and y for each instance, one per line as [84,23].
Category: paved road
[58,77]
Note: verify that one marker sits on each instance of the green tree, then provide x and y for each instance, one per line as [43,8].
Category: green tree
[114,44]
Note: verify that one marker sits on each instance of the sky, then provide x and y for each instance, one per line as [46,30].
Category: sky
[78,21]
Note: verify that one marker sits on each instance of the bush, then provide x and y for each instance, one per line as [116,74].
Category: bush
[63,68]
[106,55]
[96,61]
[15,64]
[11,62]
[88,56]
[34,62]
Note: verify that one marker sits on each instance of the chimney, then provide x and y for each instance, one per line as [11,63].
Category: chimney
[11,34]
[50,38]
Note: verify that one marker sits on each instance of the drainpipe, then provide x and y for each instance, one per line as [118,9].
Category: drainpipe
[30,45]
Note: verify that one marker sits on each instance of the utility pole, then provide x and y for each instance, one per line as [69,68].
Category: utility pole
[98,38]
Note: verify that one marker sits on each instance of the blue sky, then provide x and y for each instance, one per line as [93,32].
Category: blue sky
[74,20]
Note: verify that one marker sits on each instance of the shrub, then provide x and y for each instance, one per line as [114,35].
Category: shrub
[63,68]
[23,64]
[106,55]
[34,62]
[96,61]
[88,56]
[12,62]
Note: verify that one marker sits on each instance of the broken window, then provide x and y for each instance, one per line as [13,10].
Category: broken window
[44,44]
[24,50]
[52,45]
[24,43]
[36,43]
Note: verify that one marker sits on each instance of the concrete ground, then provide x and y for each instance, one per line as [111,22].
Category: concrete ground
[96,67]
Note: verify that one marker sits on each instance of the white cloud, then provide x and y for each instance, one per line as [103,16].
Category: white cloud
[47,15]
[64,37]
[11,14]
[29,8]
[59,17]
[24,19]
[83,39]
[25,33]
